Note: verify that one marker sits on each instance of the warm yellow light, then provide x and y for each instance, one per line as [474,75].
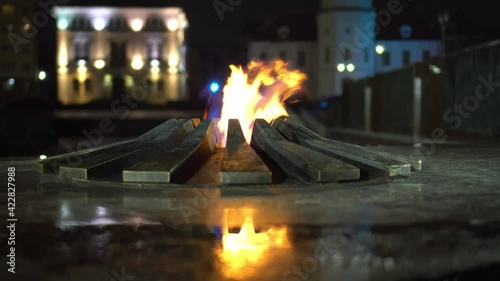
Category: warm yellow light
[42,75]
[137,62]
[63,62]
[136,25]
[82,76]
[27,27]
[173,60]
[108,78]
[129,81]
[99,64]
[350,67]
[63,70]
[82,69]
[172,70]
[63,50]
[341,67]
[172,24]
[379,49]
[155,70]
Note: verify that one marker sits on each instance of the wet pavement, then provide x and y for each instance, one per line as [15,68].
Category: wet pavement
[441,223]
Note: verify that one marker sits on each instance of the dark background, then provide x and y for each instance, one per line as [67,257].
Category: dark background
[220,43]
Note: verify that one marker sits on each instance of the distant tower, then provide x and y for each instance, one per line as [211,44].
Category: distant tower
[346,40]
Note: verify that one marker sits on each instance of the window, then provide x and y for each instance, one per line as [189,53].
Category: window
[327,55]
[118,54]
[263,56]
[86,49]
[367,55]
[426,55]
[81,50]
[153,24]
[283,55]
[302,58]
[76,86]
[386,58]
[149,85]
[117,24]
[154,50]
[347,54]
[150,50]
[159,50]
[81,24]
[112,24]
[406,57]
[120,23]
[76,49]
[88,85]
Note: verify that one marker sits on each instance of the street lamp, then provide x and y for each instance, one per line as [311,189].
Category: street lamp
[379,49]
[99,24]
[42,75]
[99,64]
[443,20]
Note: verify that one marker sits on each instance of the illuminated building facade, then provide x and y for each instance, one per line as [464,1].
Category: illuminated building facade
[104,53]
[351,48]
[341,43]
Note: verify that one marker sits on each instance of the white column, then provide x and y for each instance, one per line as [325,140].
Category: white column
[63,56]
[368,108]
[417,102]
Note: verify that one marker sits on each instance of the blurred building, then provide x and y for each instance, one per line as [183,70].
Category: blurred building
[355,41]
[342,54]
[25,115]
[291,38]
[105,52]
[18,51]
[348,39]
[406,40]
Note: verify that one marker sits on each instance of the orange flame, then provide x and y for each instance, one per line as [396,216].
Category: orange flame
[257,93]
